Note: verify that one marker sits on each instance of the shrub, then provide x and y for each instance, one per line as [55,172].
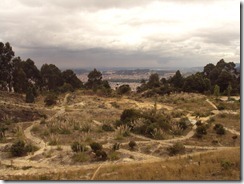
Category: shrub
[132,144]
[95,146]
[107,128]
[102,155]
[50,99]
[176,149]
[183,123]
[200,131]
[123,89]
[18,148]
[129,115]
[199,123]
[77,147]
[116,146]
[219,129]
[221,106]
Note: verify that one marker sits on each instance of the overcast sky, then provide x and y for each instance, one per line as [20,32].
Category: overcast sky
[122,33]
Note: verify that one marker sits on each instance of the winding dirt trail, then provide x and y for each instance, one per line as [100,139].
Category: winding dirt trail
[44,167]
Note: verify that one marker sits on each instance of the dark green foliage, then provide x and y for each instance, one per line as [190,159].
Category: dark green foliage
[219,128]
[129,115]
[107,128]
[50,99]
[29,98]
[66,87]
[183,123]
[201,130]
[221,106]
[223,74]
[95,146]
[177,80]
[153,81]
[94,79]
[20,148]
[52,77]
[101,155]
[6,66]
[123,89]
[177,148]
[95,82]
[70,78]
[77,147]
[132,144]
[116,146]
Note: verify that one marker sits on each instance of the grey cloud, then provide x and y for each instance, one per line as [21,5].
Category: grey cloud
[95,57]
[70,33]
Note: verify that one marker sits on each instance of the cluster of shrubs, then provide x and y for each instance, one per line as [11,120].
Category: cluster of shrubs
[21,148]
[96,148]
[149,123]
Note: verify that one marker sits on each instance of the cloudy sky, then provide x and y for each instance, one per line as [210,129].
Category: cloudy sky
[122,33]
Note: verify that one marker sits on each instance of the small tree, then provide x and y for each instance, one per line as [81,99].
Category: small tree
[132,144]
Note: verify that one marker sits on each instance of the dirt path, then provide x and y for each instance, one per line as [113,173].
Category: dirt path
[40,167]
[212,104]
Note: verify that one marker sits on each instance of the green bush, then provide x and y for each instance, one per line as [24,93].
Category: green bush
[123,89]
[219,128]
[116,146]
[77,147]
[102,155]
[200,131]
[177,148]
[95,146]
[132,144]
[18,148]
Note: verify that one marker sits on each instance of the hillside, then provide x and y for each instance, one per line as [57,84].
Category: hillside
[81,117]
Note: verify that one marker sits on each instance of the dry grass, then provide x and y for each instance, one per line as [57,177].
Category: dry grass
[214,165]
[229,120]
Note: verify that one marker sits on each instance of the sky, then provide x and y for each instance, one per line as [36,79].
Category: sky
[122,33]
